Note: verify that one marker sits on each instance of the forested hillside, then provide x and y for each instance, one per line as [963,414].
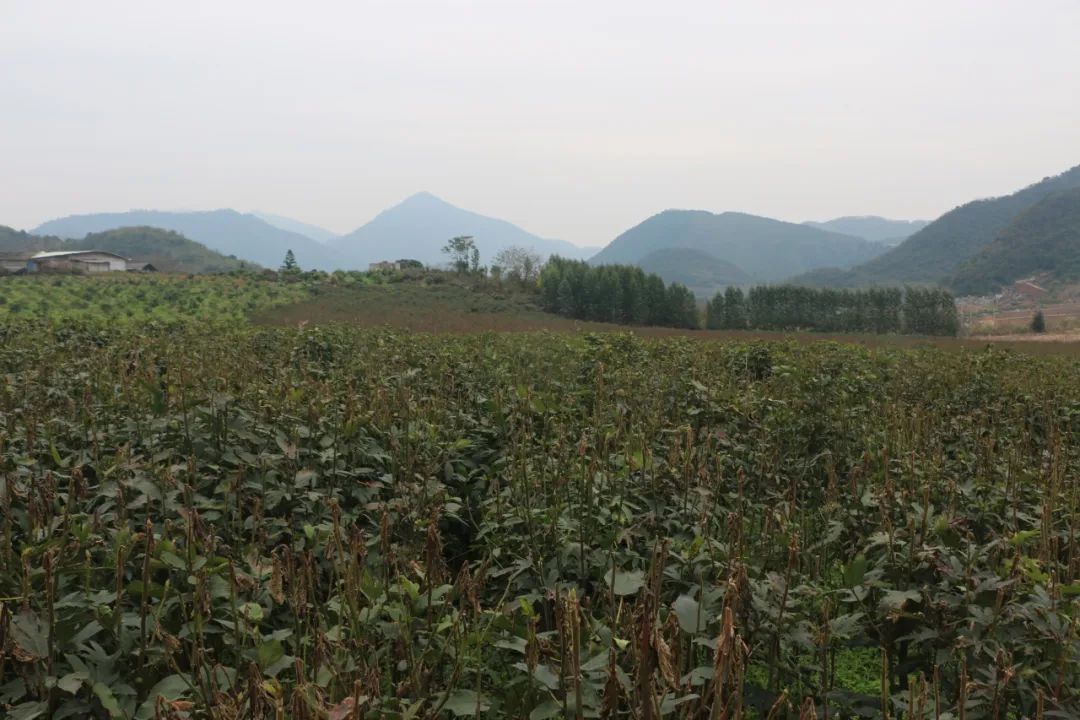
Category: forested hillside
[15,241]
[1042,239]
[167,251]
[696,269]
[767,250]
[939,249]
[226,231]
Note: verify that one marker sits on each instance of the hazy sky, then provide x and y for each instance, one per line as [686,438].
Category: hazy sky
[572,119]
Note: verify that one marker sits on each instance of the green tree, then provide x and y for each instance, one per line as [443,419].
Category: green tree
[734,309]
[289,265]
[550,280]
[1038,323]
[462,252]
[566,302]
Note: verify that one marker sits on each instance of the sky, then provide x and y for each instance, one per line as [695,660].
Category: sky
[574,119]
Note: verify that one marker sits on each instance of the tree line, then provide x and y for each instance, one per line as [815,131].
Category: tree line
[622,294]
[627,295]
[913,311]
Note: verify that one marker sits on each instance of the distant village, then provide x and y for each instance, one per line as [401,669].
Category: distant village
[82,262]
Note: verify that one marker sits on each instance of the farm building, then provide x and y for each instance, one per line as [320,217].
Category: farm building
[384,266]
[76,261]
[13,262]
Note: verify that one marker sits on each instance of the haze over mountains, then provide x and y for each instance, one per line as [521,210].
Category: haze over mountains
[933,254]
[416,228]
[872,227]
[229,232]
[766,250]
[166,250]
[297,226]
[975,248]
[701,250]
[419,226]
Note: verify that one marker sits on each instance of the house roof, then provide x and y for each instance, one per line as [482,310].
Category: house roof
[71,253]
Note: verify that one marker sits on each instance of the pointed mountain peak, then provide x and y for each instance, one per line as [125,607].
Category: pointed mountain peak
[424,198]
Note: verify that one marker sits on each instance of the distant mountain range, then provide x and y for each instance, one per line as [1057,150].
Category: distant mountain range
[229,232]
[872,228]
[418,228]
[166,250]
[762,249]
[932,255]
[296,226]
[974,248]
[18,241]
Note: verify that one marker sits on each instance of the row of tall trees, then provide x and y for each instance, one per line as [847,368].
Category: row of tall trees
[930,311]
[615,293]
[916,311]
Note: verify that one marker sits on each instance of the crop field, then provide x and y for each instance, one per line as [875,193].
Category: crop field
[436,308]
[116,297]
[338,522]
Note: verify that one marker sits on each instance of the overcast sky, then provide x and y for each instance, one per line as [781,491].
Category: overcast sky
[573,119]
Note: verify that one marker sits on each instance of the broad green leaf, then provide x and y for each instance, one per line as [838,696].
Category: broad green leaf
[27,711]
[516,643]
[546,710]
[688,612]
[855,571]
[171,687]
[466,703]
[270,652]
[72,682]
[544,675]
[252,611]
[108,700]
[31,634]
[626,583]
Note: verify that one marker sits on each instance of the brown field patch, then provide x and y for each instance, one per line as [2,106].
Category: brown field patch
[458,309]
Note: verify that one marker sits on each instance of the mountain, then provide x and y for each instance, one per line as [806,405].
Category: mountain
[17,241]
[940,248]
[314,232]
[872,228]
[227,231]
[1045,238]
[419,227]
[767,250]
[696,269]
[166,250]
